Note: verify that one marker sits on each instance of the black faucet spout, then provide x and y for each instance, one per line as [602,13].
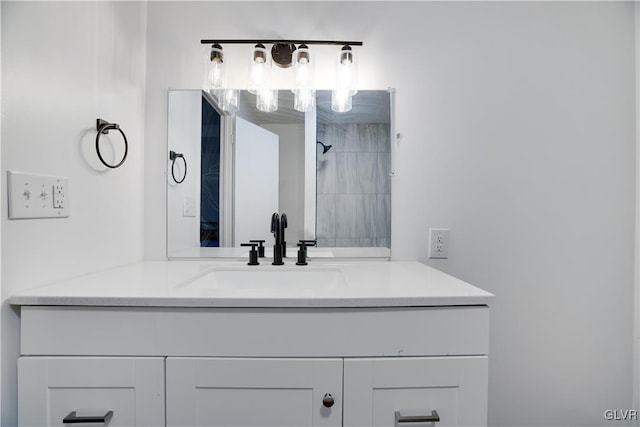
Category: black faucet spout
[283,241]
[276,229]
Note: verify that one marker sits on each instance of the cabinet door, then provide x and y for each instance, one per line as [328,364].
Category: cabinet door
[51,388]
[454,387]
[247,392]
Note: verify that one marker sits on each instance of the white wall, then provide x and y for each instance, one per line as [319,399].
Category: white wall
[291,179]
[518,134]
[64,64]
[256,182]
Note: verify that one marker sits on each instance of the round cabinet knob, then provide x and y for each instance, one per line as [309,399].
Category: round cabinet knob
[327,400]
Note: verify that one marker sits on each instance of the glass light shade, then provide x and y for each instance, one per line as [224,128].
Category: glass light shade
[259,69]
[228,99]
[304,100]
[347,71]
[303,65]
[341,100]
[267,100]
[216,71]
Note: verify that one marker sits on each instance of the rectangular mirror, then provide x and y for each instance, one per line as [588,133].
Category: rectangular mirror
[329,172]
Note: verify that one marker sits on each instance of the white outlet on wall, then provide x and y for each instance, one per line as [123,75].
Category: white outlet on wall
[37,196]
[439,243]
[58,195]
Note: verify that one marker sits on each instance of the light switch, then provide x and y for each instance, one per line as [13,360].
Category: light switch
[189,207]
[37,196]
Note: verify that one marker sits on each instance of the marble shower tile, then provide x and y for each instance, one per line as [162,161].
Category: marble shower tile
[382,137]
[382,242]
[354,243]
[325,243]
[347,173]
[325,216]
[321,132]
[346,215]
[382,218]
[383,180]
[365,215]
[367,166]
[326,172]
[349,138]
[336,136]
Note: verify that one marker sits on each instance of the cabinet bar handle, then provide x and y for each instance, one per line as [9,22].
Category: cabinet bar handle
[433,418]
[73,419]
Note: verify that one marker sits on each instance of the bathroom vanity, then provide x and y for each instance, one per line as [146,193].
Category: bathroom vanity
[186,343]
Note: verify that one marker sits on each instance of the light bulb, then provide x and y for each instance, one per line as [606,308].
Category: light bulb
[341,100]
[347,71]
[303,65]
[267,100]
[216,72]
[304,100]
[229,100]
[259,69]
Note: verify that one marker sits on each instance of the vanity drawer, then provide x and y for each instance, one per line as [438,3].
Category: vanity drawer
[442,391]
[123,391]
[255,332]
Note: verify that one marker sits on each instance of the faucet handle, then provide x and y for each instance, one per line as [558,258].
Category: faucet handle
[260,247]
[253,253]
[302,252]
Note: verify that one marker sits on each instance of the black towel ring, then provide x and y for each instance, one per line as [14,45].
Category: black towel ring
[104,127]
[173,156]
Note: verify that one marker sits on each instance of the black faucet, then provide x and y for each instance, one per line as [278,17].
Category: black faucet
[253,254]
[283,225]
[302,252]
[278,233]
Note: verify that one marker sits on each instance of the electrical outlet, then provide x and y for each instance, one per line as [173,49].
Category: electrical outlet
[58,195]
[439,243]
[37,196]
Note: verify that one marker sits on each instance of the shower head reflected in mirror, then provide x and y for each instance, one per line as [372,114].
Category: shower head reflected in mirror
[325,148]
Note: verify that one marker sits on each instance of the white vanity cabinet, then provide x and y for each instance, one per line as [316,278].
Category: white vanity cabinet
[118,391]
[451,390]
[225,392]
[165,344]
[358,392]
[259,367]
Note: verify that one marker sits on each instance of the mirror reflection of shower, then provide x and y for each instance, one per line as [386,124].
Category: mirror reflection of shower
[325,148]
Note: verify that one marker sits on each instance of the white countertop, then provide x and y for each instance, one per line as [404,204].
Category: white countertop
[205,284]
[375,253]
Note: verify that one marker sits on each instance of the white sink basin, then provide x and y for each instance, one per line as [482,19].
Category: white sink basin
[273,279]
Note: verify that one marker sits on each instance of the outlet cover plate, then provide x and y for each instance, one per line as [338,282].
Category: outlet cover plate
[37,196]
[439,243]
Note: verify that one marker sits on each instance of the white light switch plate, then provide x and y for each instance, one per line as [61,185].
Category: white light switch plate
[37,196]
[189,207]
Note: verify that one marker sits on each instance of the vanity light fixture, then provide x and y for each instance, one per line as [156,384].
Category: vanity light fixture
[284,54]
[259,69]
[346,81]
[267,100]
[215,73]
[228,99]
[304,88]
